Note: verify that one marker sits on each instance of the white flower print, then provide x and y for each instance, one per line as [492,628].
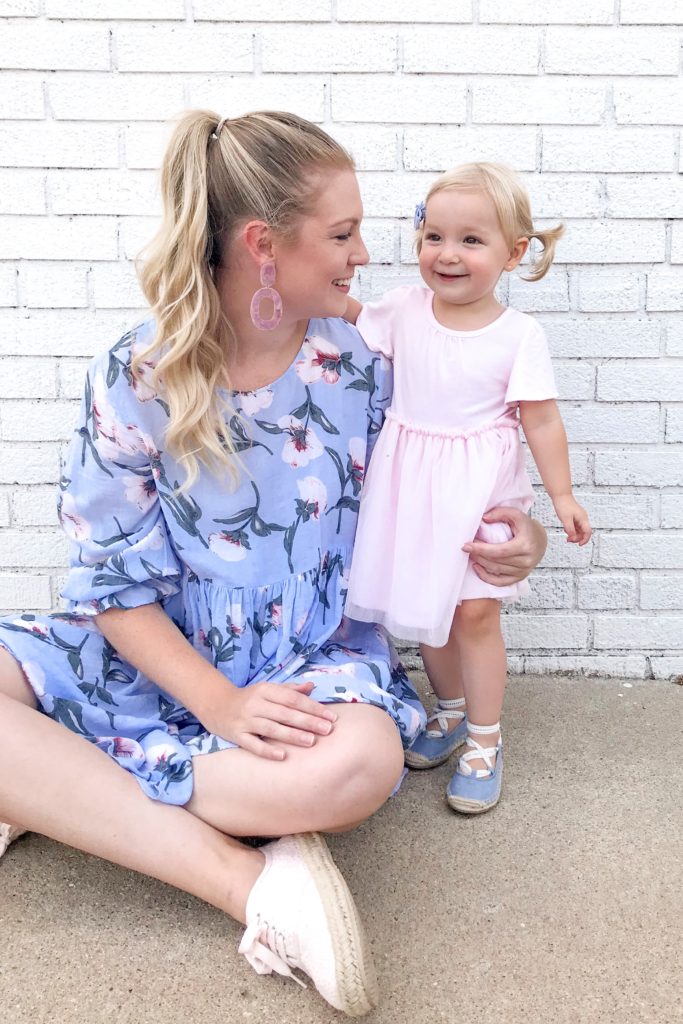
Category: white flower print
[140,491]
[227,547]
[321,361]
[314,493]
[357,447]
[75,526]
[114,437]
[35,676]
[154,540]
[252,401]
[303,445]
[32,627]
[143,381]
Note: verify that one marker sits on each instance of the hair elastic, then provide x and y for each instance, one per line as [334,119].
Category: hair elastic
[216,133]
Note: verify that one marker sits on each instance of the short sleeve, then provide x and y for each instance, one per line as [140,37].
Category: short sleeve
[532,378]
[377,322]
[120,553]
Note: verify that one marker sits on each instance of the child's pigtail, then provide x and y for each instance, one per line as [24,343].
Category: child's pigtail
[548,239]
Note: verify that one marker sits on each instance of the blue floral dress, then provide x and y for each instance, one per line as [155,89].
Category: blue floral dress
[255,577]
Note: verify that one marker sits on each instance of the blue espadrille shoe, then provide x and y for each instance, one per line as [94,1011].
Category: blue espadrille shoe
[433,745]
[475,790]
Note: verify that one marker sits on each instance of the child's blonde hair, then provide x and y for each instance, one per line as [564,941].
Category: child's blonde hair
[217,174]
[511,201]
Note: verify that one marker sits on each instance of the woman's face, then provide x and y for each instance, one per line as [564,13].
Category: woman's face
[314,271]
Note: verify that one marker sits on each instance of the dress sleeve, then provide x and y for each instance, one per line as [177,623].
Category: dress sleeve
[377,323]
[121,555]
[380,399]
[532,378]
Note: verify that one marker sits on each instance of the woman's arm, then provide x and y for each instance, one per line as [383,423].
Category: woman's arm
[249,716]
[353,308]
[503,564]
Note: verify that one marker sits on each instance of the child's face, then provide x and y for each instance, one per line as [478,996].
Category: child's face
[463,249]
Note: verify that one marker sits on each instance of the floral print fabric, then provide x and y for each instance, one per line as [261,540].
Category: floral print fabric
[254,576]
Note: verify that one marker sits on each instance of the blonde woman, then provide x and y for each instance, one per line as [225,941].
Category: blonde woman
[204,685]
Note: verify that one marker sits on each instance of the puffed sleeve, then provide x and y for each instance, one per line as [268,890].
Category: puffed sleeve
[377,322]
[380,399]
[532,378]
[120,552]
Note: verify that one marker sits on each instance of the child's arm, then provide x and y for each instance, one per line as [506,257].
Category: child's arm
[544,431]
[353,308]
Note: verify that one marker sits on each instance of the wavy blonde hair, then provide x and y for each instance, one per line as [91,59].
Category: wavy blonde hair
[260,166]
[512,204]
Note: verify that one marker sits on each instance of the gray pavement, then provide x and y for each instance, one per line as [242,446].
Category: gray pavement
[565,904]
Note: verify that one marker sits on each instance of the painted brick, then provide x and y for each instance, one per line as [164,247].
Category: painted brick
[304,94]
[574,380]
[612,242]
[661,591]
[664,289]
[35,506]
[35,421]
[667,668]
[8,284]
[436,149]
[604,337]
[58,584]
[642,468]
[622,381]
[262,10]
[561,197]
[672,511]
[116,286]
[135,233]
[159,10]
[408,98]
[22,592]
[58,238]
[550,293]
[550,590]
[334,48]
[560,554]
[371,282]
[538,101]
[611,51]
[598,666]
[183,48]
[386,195]
[655,632]
[648,102]
[673,330]
[531,632]
[4,509]
[71,377]
[103,192]
[35,45]
[27,378]
[530,12]
[20,8]
[373,148]
[115,97]
[677,242]
[648,196]
[601,289]
[608,510]
[625,423]
[32,548]
[22,193]
[405,10]
[644,12]
[146,144]
[29,464]
[633,550]
[62,332]
[471,50]
[59,145]
[674,423]
[607,591]
[381,240]
[21,97]
[53,285]
[604,149]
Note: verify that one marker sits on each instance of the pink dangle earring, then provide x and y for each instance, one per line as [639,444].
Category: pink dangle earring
[266,291]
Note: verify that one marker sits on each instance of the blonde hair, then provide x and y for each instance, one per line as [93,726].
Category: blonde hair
[511,201]
[215,175]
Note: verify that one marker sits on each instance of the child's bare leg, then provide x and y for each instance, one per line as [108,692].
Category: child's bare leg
[483,662]
[442,665]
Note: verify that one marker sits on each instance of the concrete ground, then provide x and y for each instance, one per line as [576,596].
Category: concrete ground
[565,904]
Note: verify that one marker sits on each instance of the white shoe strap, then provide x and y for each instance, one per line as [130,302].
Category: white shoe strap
[476,751]
[445,711]
[483,730]
[269,955]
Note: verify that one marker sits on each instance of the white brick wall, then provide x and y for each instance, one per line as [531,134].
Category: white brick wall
[583,97]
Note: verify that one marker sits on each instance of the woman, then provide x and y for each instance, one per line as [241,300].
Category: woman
[211,499]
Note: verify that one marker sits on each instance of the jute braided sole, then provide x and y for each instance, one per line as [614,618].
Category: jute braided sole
[420,763]
[356,977]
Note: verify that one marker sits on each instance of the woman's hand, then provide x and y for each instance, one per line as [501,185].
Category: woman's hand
[255,715]
[512,561]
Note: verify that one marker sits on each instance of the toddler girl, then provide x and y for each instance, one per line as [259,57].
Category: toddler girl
[467,371]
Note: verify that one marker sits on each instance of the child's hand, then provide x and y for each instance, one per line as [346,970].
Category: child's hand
[574,519]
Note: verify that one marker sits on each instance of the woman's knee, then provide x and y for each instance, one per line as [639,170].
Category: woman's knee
[13,682]
[368,760]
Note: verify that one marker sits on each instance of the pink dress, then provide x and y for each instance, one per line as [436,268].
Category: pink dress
[448,452]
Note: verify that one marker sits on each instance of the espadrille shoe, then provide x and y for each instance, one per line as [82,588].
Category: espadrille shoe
[8,833]
[476,790]
[301,916]
[437,742]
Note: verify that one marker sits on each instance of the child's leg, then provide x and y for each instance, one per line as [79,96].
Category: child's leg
[442,665]
[483,665]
